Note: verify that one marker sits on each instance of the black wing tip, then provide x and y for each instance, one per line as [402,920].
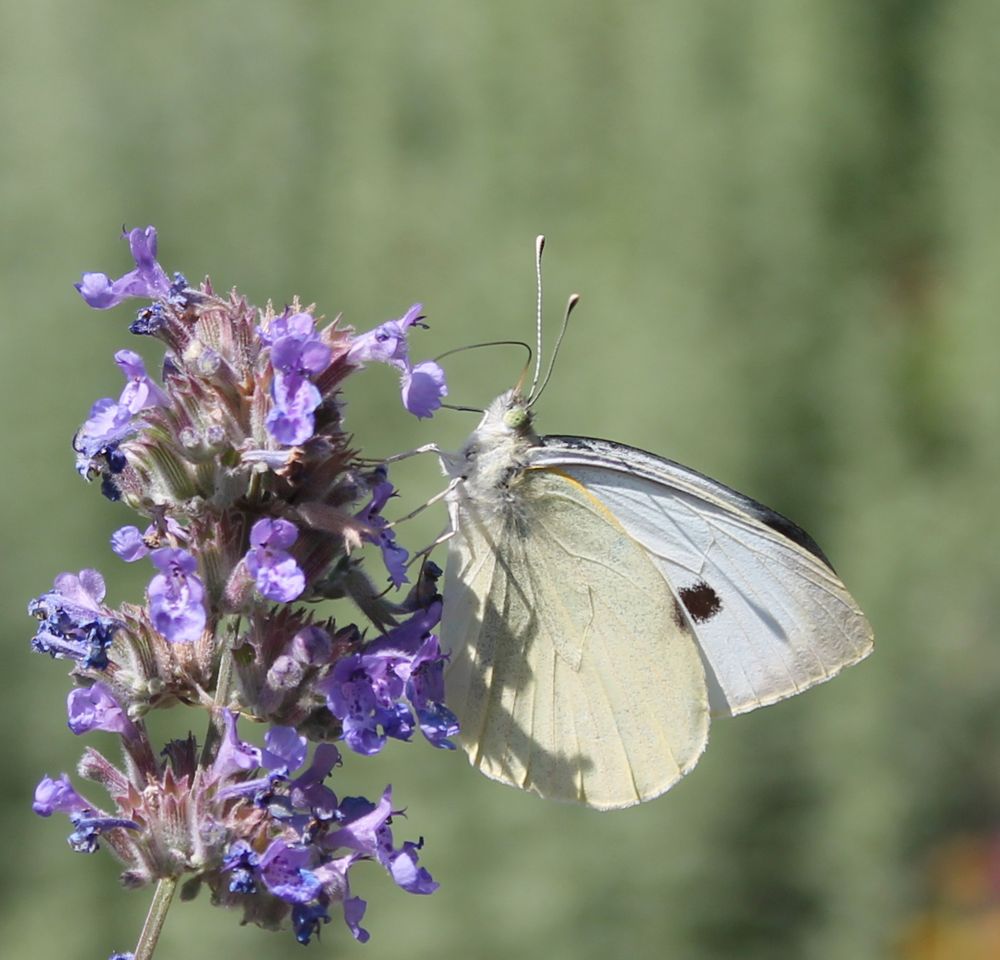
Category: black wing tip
[770,518]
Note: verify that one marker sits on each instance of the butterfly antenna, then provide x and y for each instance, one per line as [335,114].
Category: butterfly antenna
[570,305]
[477,346]
[539,247]
[485,343]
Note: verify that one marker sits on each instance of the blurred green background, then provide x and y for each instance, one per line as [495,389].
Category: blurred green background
[784,219]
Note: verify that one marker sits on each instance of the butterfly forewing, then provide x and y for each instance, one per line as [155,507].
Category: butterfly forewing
[770,615]
[573,675]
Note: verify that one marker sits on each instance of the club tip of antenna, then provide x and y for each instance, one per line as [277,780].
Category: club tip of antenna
[574,299]
[540,243]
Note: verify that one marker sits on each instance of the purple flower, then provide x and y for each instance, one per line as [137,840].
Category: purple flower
[437,724]
[295,346]
[290,420]
[425,690]
[380,533]
[285,871]
[95,708]
[407,874]
[242,862]
[297,354]
[333,875]
[365,690]
[112,421]
[147,280]
[140,390]
[234,755]
[107,424]
[423,386]
[307,791]
[387,342]
[83,839]
[52,796]
[176,596]
[73,624]
[276,574]
[350,698]
[284,750]
[130,544]
[58,796]
[366,829]
[354,910]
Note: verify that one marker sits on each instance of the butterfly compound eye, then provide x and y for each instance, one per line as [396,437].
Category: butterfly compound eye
[516,418]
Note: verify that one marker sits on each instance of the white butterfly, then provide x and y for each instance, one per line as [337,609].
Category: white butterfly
[601,603]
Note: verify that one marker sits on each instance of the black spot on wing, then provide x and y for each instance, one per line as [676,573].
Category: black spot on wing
[700,601]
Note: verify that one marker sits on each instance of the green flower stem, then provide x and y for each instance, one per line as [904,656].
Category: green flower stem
[155,918]
[216,727]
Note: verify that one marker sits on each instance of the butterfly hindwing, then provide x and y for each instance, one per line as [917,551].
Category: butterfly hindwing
[572,675]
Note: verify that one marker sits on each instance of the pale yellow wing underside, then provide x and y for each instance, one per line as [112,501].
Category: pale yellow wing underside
[572,675]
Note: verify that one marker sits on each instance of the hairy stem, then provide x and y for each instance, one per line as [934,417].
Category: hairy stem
[216,727]
[155,919]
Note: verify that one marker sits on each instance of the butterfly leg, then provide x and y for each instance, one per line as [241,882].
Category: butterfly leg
[406,454]
[443,538]
[435,499]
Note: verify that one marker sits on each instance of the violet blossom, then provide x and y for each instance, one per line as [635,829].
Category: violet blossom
[252,501]
[276,574]
[423,385]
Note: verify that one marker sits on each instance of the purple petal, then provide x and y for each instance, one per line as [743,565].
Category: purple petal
[52,796]
[285,871]
[304,357]
[361,831]
[85,590]
[176,596]
[394,557]
[140,390]
[147,280]
[325,757]
[108,422]
[291,420]
[95,708]
[276,533]
[142,244]
[423,388]
[276,574]
[315,356]
[354,910]
[284,750]
[404,870]
[437,724]
[95,288]
[298,325]
[412,317]
[385,344]
[129,544]
[234,755]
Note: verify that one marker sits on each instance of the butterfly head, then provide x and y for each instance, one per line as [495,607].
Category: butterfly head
[507,417]
[497,449]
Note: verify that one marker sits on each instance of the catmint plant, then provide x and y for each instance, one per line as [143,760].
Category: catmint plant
[254,505]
